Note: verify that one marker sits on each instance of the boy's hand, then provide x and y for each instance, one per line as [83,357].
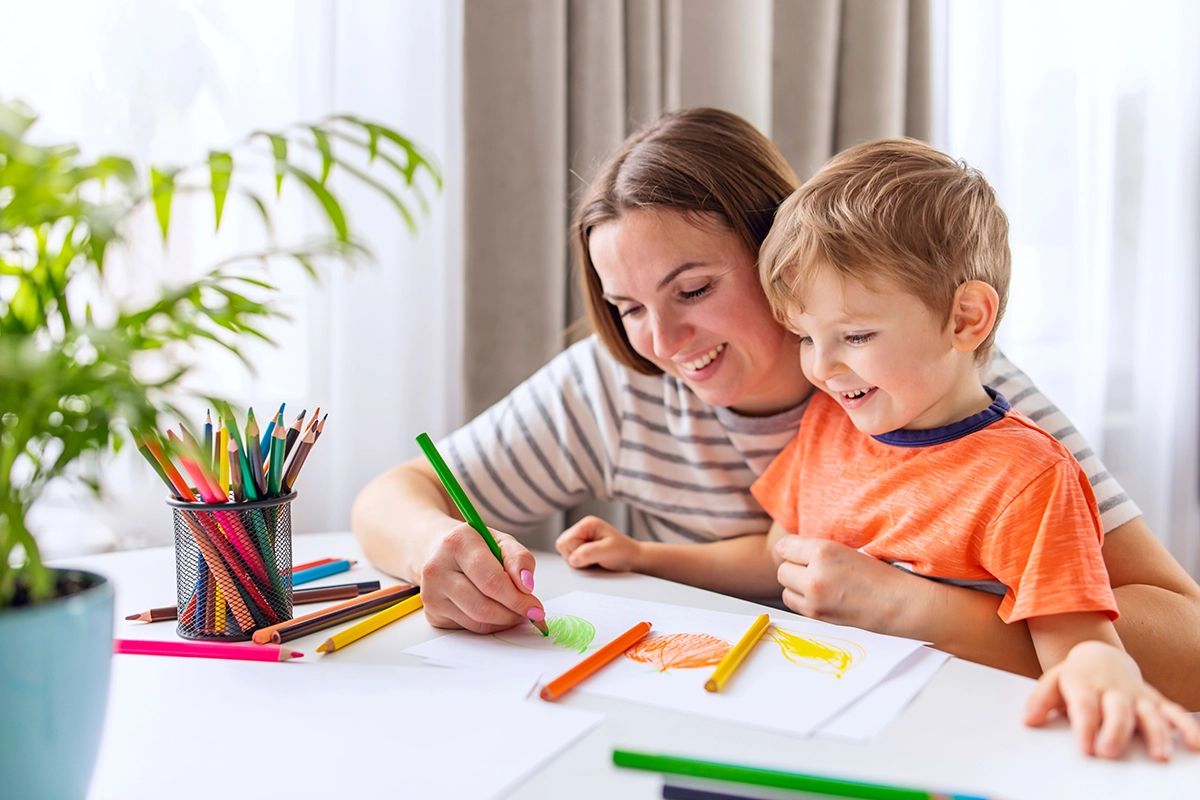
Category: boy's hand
[1100,689]
[592,541]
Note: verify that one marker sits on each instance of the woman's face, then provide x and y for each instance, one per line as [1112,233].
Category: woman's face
[689,297]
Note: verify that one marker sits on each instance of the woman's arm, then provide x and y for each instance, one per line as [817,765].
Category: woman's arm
[1160,611]
[409,528]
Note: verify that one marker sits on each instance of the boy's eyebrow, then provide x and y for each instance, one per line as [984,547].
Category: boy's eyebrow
[670,276]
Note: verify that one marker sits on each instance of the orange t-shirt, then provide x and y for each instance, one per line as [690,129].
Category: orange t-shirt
[992,497]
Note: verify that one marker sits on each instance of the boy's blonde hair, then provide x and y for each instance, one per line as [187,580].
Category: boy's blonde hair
[890,210]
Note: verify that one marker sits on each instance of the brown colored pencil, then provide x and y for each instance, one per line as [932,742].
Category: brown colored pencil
[263,635]
[329,619]
[297,462]
[320,594]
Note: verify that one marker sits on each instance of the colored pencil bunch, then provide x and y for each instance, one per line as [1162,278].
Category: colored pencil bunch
[233,555]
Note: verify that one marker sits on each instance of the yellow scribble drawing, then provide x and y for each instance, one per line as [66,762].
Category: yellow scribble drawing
[821,653]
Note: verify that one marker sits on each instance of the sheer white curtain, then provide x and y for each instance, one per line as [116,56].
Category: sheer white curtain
[1086,118]
[377,348]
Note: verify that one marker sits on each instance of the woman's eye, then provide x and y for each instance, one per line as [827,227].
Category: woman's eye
[696,293]
[859,338]
[627,311]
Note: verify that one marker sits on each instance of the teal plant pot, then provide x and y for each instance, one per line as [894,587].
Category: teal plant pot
[55,660]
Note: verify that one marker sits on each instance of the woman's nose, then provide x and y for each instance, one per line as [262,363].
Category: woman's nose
[670,334]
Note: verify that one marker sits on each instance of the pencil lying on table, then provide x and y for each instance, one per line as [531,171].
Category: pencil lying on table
[578,673]
[321,594]
[240,652]
[737,654]
[263,635]
[371,624]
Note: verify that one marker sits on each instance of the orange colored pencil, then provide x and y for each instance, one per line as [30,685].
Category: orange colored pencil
[584,669]
[316,563]
[181,487]
[263,635]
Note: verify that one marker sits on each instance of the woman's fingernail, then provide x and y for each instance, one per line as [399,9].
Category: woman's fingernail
[536,614]
[527,579]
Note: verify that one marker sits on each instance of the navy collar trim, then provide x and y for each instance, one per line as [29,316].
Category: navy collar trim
[948,433]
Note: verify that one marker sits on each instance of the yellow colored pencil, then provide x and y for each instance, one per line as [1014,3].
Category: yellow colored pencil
[371,624]
[736,655]
[223,449]
[219,622]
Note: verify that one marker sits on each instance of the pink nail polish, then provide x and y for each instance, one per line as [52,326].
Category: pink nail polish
[536,614]
[527,579]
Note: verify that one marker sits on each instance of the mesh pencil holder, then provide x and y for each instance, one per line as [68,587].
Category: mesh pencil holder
[233,566]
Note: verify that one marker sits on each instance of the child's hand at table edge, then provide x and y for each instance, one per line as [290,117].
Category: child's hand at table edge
[593,542]
[1100,689]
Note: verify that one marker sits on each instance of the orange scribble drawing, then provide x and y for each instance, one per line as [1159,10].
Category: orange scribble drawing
[821,653]
[679,651]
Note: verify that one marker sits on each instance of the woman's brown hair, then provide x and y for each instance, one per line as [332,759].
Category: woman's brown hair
[698,161]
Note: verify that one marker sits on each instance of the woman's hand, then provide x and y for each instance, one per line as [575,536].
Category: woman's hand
[593,542]
[1100,689]
[464,586]
[829,581]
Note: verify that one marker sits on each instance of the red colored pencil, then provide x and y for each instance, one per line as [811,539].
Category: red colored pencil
[317,563]
[243,652]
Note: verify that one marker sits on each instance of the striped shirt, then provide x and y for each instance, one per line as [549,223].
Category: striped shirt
[585,426]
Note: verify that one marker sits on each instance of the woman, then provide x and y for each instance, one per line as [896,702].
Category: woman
[685,393]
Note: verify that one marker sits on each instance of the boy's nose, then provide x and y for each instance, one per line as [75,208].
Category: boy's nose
[825,366]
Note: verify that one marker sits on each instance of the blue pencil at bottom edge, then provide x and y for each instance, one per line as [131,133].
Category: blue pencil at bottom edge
[320,571]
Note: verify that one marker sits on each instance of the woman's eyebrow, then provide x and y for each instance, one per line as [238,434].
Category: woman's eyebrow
[670,276]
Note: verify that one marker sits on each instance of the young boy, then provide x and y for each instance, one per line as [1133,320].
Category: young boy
[892,266]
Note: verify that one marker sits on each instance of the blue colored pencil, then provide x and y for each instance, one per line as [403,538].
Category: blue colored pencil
[266,438]
[313,573]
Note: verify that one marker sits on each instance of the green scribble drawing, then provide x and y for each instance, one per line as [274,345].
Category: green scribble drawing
[566,631]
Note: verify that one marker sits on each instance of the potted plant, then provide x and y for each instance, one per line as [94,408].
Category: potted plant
[74,384]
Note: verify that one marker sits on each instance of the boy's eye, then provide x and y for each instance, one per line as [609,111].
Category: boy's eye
[859,338]
[805,341]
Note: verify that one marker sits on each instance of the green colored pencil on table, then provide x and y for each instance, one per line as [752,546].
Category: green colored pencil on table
[779,779]
[470,515]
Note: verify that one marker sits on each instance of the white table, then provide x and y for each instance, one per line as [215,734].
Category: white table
[963,730]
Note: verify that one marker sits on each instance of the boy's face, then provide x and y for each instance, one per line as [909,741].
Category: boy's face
[881,353]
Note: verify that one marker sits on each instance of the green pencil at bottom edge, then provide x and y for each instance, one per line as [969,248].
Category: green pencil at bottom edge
[758,776]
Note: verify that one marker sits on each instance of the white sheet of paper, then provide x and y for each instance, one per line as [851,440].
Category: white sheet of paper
[204,728]
[828,667]
[866,719]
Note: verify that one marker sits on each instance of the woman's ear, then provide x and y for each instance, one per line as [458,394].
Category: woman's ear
[974,315]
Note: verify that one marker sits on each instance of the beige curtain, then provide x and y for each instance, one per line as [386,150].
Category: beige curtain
[552,86]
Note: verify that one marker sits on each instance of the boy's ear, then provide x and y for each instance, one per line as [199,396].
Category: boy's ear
[974,315]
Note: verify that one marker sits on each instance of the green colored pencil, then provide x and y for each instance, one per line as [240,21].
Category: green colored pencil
[275,470]
[758,776]
[470,515]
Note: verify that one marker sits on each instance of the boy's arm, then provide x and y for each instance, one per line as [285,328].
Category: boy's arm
[1091,679]
[744,566]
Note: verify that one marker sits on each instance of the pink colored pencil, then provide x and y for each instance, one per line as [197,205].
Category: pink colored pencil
[243,652]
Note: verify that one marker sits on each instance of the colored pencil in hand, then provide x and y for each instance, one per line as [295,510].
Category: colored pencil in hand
[242,652]
[371,624]
[737,654]
[584,669]
[470,515]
